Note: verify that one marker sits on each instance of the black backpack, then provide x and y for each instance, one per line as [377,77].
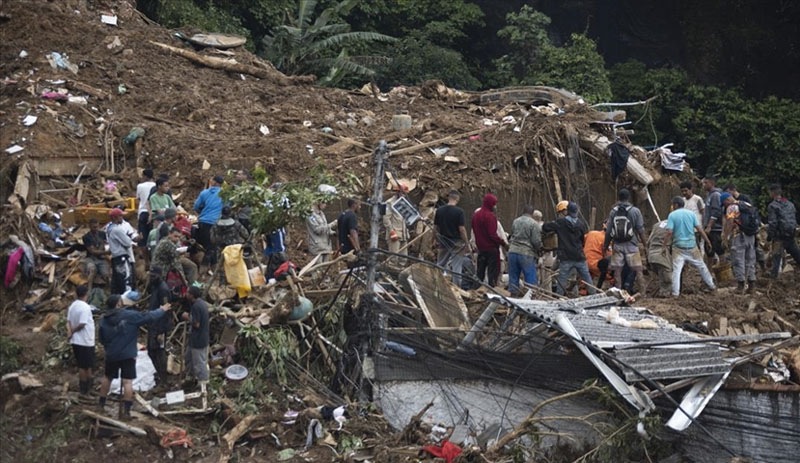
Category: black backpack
[621,229]
[787,219]
[749,221]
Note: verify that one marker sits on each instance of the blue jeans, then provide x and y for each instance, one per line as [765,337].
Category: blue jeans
[521,263]
[565,268]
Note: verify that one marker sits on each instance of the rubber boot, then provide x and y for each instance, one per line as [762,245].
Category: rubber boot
[751,286]
[740,287]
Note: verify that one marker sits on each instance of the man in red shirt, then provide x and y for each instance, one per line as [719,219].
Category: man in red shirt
[488,242]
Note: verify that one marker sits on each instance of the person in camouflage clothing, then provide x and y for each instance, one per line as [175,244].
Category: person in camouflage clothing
[228,231]
[167,257]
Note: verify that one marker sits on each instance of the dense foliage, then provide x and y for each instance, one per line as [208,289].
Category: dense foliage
[474,44]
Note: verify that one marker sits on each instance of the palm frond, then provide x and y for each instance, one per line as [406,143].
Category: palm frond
[339,40]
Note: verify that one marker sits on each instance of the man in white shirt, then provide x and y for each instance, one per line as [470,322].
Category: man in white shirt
[80,333]
[695,204]
[142,194]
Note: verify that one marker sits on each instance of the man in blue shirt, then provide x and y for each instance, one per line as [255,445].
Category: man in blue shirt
[681,226]
[209,209]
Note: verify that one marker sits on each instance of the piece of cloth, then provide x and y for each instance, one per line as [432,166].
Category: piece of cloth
[682,223]
[743,257]
[570,232]
[80,313]
[448,450]
[484,226]
[11,267]
[619,158]
[489,266]
[565,268]
[119,330]
[199,336]
[208,205]
[319,232]
[347,222]
[521,264]
[526,236]
[692,256]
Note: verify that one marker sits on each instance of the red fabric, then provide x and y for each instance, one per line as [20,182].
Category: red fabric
[284,268]
[484,225]
[176,283]
[449,451]
[13,264]
[184,225]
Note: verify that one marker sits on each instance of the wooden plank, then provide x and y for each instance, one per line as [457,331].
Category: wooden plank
[117,423]
[442,306]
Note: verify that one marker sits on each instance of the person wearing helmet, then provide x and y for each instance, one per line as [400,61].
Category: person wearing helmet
[570,231]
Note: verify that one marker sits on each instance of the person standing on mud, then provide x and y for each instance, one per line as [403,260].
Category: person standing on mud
[142,199]
[524,248]
[659,257]
[120,243]
[319,233]
[451,236]
[742,245]
[348,227]
[782,220]
[487,240]
[196,359]
[157,330]
[80,333]
[681,227]
[119,330]
[625,229]
[712,217]
[209,209]
[570,231]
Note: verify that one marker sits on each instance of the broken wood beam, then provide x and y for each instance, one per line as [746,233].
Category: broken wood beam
[117,423]
[88,89]
[412,149]
[231,65]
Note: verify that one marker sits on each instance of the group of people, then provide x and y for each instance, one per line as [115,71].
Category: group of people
[118,333]
[698,232]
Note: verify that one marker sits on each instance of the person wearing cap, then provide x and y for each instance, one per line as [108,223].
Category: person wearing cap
[120,243]
[487,240]
[743,247]
[451,237]
[625,249]
[142,198]
[209,209]
[96,262]
[394,223]
[170,216]
[228,230]
[524,248]
[157,330]
[119,331]
[320,232]
[570,231]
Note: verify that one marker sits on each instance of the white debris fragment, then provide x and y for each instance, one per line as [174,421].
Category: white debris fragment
[23,54]
[264,129]
[111,20]
[307,124]
[29,120]
[14,149]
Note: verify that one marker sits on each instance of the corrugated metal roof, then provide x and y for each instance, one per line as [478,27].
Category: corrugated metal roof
[656,363]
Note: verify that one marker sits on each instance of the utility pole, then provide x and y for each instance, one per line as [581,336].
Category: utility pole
[379,156]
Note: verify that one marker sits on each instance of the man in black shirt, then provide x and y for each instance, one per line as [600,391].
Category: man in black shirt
[197,348]
[158,330]
[451,236]
[96,255]
[348,227]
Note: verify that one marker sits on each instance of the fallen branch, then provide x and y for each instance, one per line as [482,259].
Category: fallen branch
[440,141]
[234,435]
[350,256]
[231,65]
[413,424]
[524,427]
[88,89]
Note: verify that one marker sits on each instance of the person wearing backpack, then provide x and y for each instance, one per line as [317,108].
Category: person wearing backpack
[739,228]
[782,220]
[625,229]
